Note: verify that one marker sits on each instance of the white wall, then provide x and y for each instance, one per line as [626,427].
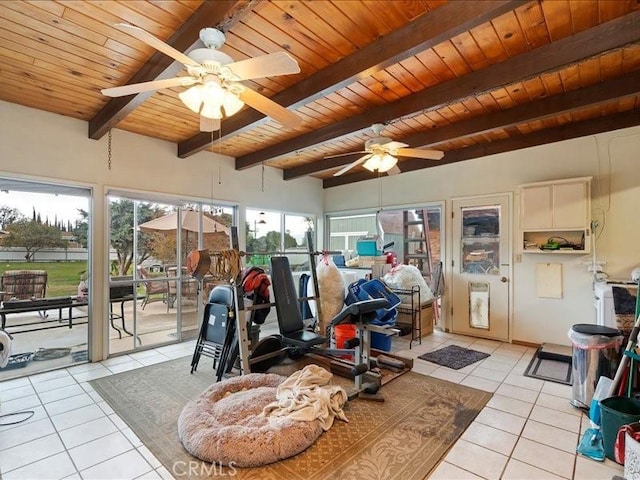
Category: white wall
[611,158]
[40,145]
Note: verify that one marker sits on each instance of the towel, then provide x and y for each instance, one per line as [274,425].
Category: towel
[5,348]
[306,396]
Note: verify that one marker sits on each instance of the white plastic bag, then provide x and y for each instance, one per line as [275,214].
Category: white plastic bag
[331,288]
[405,277]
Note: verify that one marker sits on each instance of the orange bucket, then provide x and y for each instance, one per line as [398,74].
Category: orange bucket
[343,332]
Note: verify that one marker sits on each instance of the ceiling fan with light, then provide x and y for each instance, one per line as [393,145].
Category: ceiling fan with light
[213,79]
[381,154]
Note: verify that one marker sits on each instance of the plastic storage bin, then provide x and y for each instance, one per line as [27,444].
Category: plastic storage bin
[380,341]
[367,247]
[596,353]
[616,412]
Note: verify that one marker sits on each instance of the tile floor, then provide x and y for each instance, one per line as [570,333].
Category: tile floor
[528,430]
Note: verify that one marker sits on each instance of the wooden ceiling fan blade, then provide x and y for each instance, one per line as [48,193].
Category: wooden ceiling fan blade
[209,124]
[427,154]
[156,43]
[362,159]
[270,108]
[146,86]
[270,65]
[394,170]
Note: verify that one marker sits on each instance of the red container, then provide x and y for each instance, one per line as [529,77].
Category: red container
[392,258]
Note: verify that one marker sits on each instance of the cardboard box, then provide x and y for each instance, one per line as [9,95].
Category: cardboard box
[424,316]
[369,261]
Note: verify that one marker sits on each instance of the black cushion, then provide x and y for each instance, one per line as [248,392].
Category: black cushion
[303,338]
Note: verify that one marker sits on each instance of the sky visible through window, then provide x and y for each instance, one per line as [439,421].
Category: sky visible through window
[64,207]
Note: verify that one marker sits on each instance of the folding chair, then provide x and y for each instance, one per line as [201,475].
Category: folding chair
[217,325]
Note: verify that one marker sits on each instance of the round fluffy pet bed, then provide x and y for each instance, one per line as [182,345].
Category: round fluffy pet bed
[224,425]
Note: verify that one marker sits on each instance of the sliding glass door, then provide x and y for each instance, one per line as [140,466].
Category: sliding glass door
[44,273]
[153,300]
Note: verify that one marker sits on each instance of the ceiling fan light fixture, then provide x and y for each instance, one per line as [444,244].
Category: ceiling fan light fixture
[192,98]
[211,110]
[231,103]
[387,163]
[373,163]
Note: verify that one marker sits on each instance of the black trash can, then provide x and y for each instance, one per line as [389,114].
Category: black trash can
[596,353]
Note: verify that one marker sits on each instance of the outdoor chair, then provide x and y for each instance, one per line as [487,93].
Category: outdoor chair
[23,285]
[155,290]
[189,285]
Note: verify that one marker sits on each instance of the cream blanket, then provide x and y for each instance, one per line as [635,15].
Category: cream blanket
[306,396]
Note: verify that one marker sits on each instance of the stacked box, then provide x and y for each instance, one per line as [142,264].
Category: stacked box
[424,315]
[370,261]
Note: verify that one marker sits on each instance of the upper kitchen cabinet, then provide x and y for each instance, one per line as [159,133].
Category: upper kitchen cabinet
[556,215]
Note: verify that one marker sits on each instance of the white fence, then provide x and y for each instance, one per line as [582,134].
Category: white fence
[17,254]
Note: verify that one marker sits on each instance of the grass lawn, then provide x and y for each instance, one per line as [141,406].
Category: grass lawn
[62,277]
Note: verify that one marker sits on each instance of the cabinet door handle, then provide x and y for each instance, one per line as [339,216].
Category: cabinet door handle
[503,279]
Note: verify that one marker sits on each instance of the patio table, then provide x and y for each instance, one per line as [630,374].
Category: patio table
[42,305]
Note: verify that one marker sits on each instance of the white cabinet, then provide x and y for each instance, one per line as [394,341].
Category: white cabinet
[537,210]
[556,214]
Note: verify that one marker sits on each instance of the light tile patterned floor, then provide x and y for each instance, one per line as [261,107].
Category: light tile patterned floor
[528,430]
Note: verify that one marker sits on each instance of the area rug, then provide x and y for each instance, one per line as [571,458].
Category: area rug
[402,438]
[453,356]
[549,369]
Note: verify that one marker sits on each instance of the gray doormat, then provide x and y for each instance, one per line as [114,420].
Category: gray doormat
[549,369]
[453,356]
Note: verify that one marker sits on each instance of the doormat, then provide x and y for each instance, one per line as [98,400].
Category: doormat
[453,356]
[549,369]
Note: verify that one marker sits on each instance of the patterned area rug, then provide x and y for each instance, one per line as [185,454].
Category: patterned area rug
[453,356]
[402,438]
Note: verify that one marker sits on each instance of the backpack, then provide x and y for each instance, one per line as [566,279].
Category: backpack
[305,309]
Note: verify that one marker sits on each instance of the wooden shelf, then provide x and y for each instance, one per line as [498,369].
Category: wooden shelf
[537,251]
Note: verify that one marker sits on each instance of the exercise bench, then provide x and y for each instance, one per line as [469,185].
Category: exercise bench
[294,335]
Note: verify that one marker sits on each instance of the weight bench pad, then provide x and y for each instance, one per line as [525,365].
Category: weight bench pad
[360,308]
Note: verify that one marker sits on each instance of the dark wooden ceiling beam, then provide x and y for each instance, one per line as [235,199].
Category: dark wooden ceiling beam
[421,34]
[160,66]
[597,40]
[541,137]
[591,96]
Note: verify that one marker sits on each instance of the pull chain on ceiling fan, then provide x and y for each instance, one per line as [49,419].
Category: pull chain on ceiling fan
[213,79]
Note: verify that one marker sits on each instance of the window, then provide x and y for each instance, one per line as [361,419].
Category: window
[414,234]
[268,232]
[44,234]
[344,232]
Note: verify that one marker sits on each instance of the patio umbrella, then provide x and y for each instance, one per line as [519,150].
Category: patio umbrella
[169,222]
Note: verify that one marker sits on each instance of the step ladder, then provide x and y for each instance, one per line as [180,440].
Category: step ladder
[417,248]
